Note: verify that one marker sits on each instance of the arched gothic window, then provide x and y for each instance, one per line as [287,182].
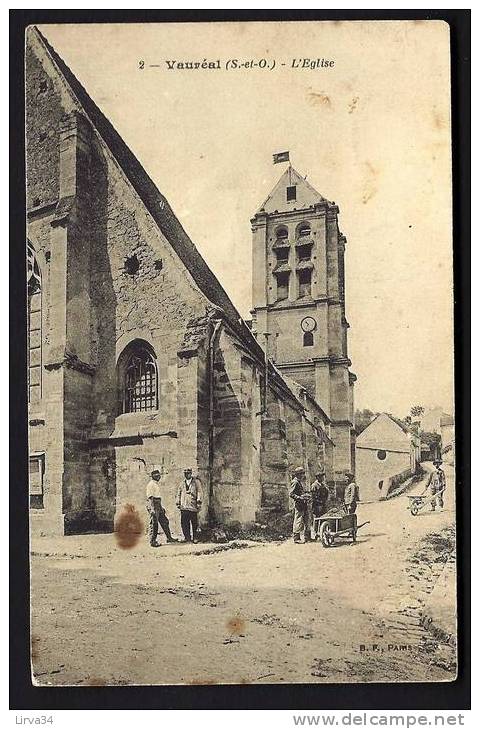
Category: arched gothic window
[308,339]
[138,378]
[34,314]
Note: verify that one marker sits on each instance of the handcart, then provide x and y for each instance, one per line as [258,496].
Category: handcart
[336,523]
[417,503]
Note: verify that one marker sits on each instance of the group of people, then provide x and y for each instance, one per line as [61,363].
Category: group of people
[188,500]
[311,501]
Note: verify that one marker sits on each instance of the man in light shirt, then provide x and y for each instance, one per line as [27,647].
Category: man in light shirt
[352,494]
[436,486]
[302,513]
[189,501]
[156,511]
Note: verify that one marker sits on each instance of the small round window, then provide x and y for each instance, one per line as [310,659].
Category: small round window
[381,455]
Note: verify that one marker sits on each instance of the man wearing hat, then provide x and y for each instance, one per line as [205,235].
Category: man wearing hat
[436,485]
[155,510]
[189,501]
[320,494]
[351,496]
[302,515]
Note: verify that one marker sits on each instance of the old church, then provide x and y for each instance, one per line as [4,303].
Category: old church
[136,355]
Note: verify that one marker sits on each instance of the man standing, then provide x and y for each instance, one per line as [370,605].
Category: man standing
[436,485]
[302,515]
[156,511]
[351,496]
[189,501]
[320,494]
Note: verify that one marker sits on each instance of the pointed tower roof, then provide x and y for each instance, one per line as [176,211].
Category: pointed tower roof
[305,195]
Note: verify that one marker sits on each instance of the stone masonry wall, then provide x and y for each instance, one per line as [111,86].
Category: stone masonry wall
[105,309]
[295,439]
[236,466]
[43,112]
[86,223]
[341,436]
[273,455]
[46,414]
[153,305]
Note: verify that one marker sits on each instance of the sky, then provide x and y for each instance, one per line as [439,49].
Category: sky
[372,133]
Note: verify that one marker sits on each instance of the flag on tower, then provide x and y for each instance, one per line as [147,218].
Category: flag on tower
[281,157]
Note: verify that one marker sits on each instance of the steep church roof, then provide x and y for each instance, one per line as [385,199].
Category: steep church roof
[306,196]
[156,204]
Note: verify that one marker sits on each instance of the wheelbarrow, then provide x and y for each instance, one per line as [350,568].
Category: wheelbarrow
[335,524]
[417,503]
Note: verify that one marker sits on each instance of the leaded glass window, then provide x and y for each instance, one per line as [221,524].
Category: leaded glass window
[140,381]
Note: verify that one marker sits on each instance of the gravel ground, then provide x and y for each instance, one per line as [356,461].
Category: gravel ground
[245,612]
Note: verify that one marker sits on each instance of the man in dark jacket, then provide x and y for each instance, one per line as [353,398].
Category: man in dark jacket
[320,494]
[189,501]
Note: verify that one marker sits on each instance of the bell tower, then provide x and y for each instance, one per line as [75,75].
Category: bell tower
[299,301]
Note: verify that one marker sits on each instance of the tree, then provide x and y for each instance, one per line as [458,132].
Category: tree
[363,418]
[433,441]
[416,411]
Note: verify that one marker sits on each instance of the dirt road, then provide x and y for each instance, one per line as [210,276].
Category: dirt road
[244,612]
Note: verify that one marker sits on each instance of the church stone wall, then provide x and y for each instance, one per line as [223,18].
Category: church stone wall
[296,441]
[237,437]
[342,453]
[87,223]
[46,414]
[43,113]
[339,393]
[288,345]
[273,455]
[153,305]
[102,309]
[303,374]
[332,262]
[46,436]
[314,453]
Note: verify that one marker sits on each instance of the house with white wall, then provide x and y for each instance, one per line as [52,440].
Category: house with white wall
[386,453]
